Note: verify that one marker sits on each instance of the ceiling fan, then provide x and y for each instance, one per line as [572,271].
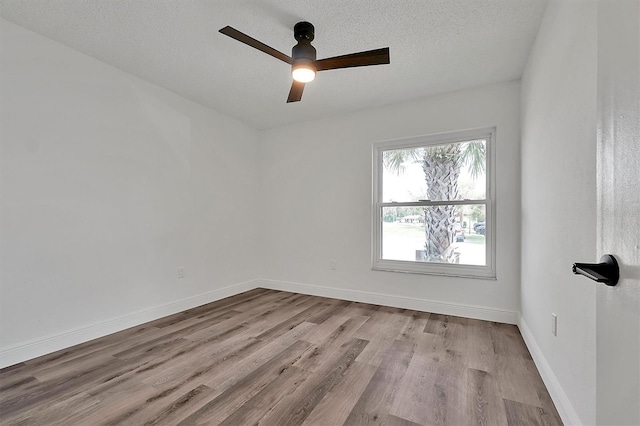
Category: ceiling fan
[303,56]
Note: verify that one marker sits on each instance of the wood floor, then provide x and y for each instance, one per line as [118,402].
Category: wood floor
[267,357]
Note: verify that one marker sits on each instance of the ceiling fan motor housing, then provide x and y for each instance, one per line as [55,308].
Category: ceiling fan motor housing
[303,53]
[304,33]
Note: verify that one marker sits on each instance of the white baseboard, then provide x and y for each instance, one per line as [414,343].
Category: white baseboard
[468,311]
[563,405]
[38,347]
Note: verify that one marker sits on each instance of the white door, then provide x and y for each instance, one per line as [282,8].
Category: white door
[618,308]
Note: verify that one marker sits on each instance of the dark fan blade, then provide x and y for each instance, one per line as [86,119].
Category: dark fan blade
[362,59]
[243,38]
[295,94]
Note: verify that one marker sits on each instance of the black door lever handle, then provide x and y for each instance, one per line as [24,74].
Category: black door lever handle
[607,271]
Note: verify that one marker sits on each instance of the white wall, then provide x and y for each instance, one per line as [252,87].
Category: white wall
[316,183]
[559,107]
[109,184]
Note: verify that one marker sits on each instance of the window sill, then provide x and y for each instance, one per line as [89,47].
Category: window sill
[444,270]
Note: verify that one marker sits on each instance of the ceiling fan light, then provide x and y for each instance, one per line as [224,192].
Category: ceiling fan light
[303,71]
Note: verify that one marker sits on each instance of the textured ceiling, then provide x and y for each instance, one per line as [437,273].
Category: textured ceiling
[436,46]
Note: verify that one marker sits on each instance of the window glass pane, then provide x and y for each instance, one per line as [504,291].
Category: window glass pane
[452,171]
[439,234]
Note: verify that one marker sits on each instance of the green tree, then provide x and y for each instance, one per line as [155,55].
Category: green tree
[441,165]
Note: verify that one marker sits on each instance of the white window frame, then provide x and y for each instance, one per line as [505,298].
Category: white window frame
[432,268]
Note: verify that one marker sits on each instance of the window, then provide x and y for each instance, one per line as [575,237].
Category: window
[434,206]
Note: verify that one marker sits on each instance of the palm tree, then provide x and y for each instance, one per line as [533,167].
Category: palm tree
[441,165]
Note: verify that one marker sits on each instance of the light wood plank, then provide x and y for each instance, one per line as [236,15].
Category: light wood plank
[336,406]
[375,401]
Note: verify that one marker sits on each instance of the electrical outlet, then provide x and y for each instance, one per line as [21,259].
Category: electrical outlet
[333,264]
[554,324]
[181,272]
